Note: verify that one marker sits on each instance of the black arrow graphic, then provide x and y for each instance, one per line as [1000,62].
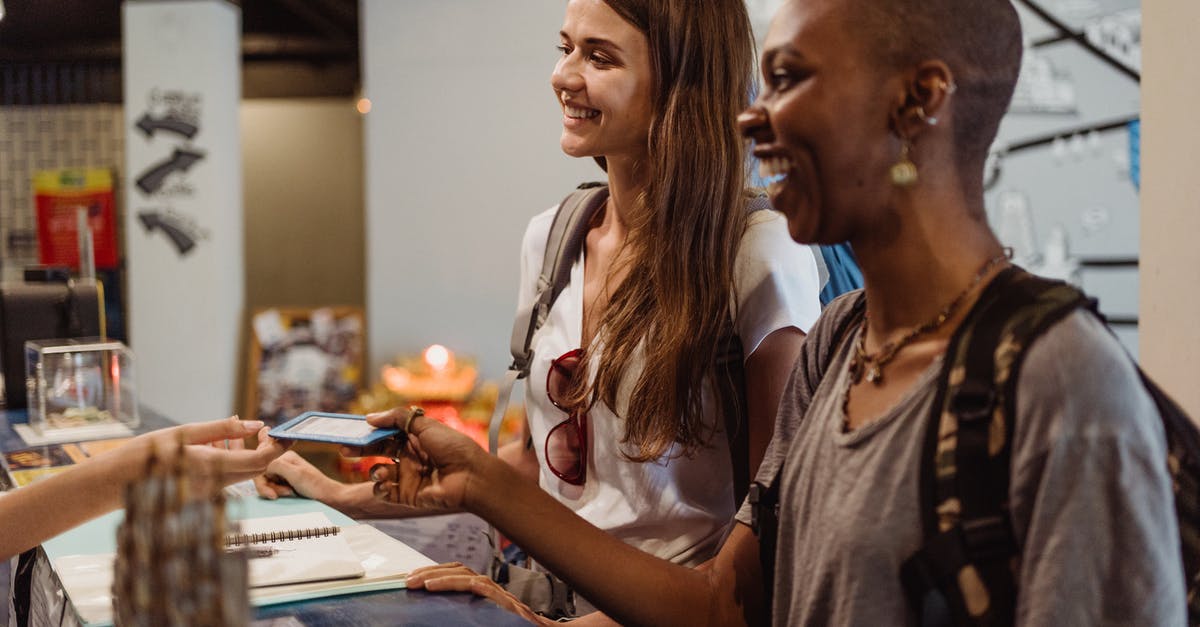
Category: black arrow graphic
[152,179]
[166,123]
[153,220]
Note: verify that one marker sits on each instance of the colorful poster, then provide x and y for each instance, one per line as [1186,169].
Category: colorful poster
[41,457]
[59,195]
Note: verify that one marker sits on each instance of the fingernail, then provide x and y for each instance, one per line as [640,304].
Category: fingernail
[252,426]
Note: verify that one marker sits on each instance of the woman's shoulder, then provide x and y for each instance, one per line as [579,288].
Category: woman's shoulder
[836,320]
[766,243]
[1078,372]
[765,228]
[776,280]
[537,231]
[533,243]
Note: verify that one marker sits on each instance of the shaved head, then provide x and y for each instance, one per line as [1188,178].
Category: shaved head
[980,40]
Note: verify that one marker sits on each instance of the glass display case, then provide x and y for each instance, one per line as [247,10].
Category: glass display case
[82,384]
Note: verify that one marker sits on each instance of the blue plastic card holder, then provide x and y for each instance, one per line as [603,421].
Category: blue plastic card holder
[319,426]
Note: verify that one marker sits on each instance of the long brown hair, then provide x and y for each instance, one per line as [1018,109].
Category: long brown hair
[685,226]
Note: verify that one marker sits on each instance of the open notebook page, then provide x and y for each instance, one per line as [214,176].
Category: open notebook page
[298,561]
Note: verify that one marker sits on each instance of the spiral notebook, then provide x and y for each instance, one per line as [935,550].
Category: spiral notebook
[303,548]
[82,558]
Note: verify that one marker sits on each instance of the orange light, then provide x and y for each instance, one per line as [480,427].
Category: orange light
[438,357]
[396,379]
[363,105]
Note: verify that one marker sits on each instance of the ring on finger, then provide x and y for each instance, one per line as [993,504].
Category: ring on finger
[413,412]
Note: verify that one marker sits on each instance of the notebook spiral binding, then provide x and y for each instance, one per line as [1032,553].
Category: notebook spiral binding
[240,539]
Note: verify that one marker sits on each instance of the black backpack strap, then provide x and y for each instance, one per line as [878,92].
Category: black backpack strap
[964,573]
[730,381]
[729,378]
[764,498]
[1183,464]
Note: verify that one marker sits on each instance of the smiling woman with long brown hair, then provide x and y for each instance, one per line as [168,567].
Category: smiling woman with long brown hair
[674,270]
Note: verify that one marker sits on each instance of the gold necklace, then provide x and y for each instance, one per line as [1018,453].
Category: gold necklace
[871,365]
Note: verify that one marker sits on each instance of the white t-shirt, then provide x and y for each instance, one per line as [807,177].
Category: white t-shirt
[677,508]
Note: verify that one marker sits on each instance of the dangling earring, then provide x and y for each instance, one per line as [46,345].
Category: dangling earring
[904,171]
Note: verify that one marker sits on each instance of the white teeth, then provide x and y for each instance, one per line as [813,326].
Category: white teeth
[577,113]
[774,170]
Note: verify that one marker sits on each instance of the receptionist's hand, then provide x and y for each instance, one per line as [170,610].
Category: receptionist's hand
[433,468]
[225,460]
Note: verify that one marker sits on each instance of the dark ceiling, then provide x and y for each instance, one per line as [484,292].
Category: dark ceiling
[290,48]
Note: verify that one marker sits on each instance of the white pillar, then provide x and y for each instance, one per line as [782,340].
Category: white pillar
[1170,261]
[183,203]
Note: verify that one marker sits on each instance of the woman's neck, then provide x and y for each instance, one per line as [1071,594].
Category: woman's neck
[913,270]
[625,182]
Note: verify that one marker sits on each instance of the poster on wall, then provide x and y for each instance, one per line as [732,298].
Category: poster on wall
[304,359]
[59,195]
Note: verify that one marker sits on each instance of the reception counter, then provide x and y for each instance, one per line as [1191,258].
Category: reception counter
[36,597]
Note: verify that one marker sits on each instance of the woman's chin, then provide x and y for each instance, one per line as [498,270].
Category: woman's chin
[572,147]
[802,218]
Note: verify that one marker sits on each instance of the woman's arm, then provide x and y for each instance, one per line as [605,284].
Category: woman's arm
[520,455]
[44,509]
[442,468]
[768,369]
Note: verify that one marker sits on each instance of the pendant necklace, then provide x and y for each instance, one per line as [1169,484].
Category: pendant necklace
[870,366]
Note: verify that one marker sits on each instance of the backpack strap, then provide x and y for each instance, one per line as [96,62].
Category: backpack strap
[730,380]
[1183,464]
[764,498]
[964,573]
[567,232]
[563,244]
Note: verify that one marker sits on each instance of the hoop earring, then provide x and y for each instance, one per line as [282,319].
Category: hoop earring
[904,171]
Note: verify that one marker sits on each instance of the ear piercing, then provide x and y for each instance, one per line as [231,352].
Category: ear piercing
[928,119]
[949,88]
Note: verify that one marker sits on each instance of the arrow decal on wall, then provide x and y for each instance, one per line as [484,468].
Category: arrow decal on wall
[152,179]
[154,220]
[167,123]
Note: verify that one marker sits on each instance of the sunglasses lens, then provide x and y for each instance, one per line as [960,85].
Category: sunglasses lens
[558,380]
[563,452]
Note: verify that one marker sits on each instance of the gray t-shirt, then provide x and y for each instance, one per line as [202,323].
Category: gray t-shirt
[1091,499]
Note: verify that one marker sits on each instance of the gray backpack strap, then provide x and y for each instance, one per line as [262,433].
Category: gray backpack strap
[567,234]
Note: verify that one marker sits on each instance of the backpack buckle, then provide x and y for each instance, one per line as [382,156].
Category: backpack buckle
[973,401]
[755,497]
[987,539]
